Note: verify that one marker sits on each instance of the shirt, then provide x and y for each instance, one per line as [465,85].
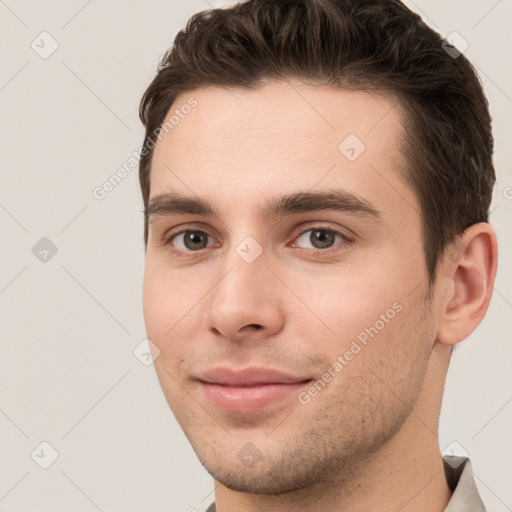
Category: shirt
[459,476]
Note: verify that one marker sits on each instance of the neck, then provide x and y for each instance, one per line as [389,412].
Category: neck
[406,474]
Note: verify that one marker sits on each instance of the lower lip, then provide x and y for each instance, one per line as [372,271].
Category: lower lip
[247,399]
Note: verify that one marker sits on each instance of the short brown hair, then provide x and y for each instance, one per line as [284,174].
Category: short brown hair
[367,45]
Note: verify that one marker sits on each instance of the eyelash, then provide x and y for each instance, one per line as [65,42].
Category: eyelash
[346,239]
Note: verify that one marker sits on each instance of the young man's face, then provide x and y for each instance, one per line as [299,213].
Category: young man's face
[333,295]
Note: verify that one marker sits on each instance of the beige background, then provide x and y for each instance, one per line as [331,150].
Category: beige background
[68,375]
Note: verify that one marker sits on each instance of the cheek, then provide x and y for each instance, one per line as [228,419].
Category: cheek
[167,292]
[345,303]
[153,304]
[174,304]
[166,300]
[162,312]
[370,318]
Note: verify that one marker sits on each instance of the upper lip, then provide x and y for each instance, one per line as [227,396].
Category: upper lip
[250,376]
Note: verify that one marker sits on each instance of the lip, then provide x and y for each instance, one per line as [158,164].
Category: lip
[248,390]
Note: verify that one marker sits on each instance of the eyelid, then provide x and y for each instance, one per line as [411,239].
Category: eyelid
[169,234]
[346,234]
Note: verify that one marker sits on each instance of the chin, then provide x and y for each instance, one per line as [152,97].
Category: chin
[260,482]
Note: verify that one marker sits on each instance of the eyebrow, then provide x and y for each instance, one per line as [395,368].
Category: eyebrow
[175,203]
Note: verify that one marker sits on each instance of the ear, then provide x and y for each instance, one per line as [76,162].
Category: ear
[470,271]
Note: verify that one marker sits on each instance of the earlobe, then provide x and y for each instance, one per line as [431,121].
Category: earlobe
[471,273]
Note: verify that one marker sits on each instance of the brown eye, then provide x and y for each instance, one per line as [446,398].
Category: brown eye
[320,238]
[190,240]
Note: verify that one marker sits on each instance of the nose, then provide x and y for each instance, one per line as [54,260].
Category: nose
[246,302]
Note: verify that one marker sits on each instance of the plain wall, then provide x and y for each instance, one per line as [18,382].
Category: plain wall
[68,375]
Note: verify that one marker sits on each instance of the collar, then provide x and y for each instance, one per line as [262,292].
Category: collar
[459,475]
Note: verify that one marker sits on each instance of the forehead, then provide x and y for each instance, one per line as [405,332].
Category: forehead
[295,110]
[283,137]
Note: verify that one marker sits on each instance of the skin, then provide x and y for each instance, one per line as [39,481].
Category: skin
[369,439]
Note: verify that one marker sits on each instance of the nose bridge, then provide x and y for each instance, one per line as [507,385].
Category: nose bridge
[244,273]
[243,295]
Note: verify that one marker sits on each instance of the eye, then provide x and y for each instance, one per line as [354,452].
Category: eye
[190,240]
[321,238]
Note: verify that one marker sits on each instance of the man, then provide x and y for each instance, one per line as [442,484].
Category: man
[316,177]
